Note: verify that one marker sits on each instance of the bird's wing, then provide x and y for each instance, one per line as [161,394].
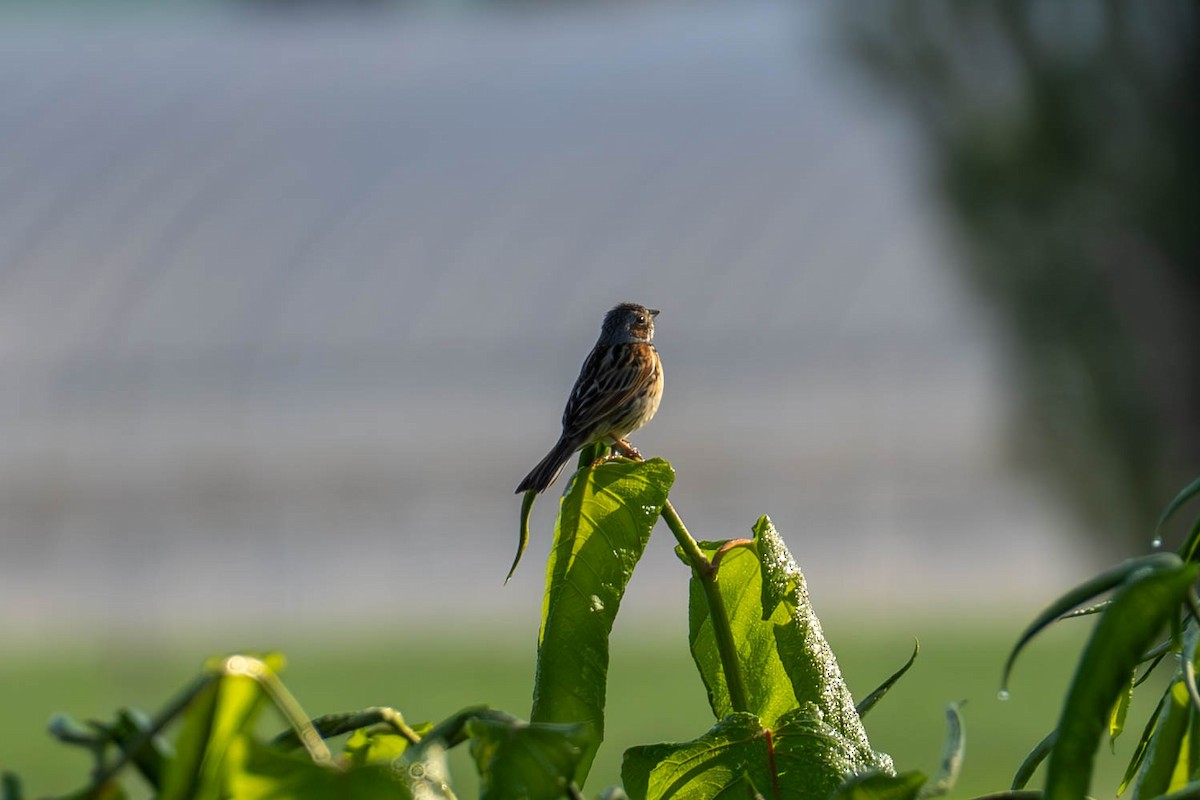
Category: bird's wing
[611,376]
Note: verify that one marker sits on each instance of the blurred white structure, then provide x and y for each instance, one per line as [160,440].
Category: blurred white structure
[288,306]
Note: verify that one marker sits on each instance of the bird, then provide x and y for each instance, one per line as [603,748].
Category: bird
[618,391]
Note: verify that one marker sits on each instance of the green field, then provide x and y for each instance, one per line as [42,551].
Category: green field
[654,693]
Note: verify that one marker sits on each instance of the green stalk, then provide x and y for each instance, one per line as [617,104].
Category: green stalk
[176,707]
[707,574]
[287,705]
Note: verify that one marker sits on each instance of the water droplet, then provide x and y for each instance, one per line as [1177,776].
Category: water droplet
[1156,542]
[1002,695]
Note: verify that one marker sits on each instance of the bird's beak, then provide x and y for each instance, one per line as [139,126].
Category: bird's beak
[653,312]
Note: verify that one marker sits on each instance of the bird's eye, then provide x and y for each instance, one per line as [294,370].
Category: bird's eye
[641,320]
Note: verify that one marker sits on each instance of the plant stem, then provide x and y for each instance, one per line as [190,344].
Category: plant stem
[707,575]
[285,703]
[691,550]
[130,750]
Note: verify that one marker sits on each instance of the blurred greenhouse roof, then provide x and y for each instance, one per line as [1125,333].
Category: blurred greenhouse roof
[284,298]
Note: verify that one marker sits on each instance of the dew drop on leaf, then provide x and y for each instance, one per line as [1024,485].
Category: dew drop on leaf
[1156,542]
[1002,695]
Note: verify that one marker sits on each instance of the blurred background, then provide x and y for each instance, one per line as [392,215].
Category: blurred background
[292,295]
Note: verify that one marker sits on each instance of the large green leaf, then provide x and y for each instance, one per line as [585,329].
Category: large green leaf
[603,525]
[800,757]
[1140,608]
[531,761]
[785,659]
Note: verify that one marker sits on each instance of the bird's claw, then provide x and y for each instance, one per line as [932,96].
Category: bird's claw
[621,451]
[627,450]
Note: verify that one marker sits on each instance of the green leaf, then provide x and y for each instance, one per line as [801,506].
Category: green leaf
[1081,594]
[69,730]
[10,787]
[1086,611]
[107,790]
[1188,549]
[780,577]
[374,746]
[952,756]
[1154,660]
[1189,491]
[786,661]
[868,702]
[589,455]
[425,762]
[1189,791]
[801,757]
[523,532]
[602,529]
[881,786]
[1139,751]
[1147,602]
[1192,745]
[1120,711]
[1164,750]
[452,731]
[1033,760]
[182,777]
[751,791]
[259,772]
[329,725]
[222,711]
[153,753]
[517,759]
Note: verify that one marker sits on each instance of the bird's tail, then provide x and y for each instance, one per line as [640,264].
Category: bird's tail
[548,468]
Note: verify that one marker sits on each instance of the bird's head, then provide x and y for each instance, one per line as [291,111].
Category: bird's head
[628,322]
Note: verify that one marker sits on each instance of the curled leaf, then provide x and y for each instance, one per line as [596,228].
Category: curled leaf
[868,702]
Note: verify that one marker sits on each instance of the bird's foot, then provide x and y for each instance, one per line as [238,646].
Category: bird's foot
[621,450]
[627,450]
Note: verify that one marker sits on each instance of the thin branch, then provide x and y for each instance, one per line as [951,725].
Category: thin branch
[706,573]
[173,709]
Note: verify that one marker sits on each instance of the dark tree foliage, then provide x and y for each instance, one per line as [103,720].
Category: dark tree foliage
[1063,138]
